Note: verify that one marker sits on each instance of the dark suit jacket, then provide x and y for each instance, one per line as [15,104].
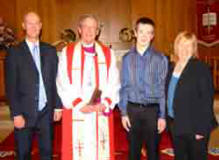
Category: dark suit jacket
[193,100]
[22,81]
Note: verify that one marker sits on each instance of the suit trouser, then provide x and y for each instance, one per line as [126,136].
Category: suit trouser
[143,121]
[24,137]
[194,149]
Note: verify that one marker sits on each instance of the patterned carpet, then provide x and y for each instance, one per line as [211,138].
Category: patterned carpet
[121,144]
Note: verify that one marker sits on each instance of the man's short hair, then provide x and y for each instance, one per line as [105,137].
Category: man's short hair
[85,16]
[30,13]
[144,20]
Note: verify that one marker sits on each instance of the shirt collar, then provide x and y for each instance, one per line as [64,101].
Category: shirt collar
[31,44]
[146,52]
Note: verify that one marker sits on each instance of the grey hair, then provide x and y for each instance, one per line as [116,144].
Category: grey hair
[85,16]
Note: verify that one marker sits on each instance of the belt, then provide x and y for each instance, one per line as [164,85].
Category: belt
[144,105]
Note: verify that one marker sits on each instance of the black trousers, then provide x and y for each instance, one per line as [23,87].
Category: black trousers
[143,121]
[170,130]
[24,137]
[186,146]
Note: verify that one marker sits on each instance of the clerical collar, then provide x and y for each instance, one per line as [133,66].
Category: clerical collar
[89,48]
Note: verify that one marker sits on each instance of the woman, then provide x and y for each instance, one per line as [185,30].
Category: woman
[190,101]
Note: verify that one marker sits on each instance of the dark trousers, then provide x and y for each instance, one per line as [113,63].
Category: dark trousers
[187,145]
[170,130]
[143,121]
[24,137]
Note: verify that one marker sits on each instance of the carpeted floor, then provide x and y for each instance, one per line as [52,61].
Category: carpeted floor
[121,143]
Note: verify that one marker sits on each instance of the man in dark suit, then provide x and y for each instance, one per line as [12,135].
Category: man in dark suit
[31,90]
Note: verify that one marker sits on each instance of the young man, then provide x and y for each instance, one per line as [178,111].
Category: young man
[87,68]
[31,69]
[142,95]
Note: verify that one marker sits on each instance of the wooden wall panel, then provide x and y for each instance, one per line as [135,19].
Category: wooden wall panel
[170,16]
[58,15]
[2,73]
[208,51]
[47,11]
[7,11]
[113,14]
[142,8]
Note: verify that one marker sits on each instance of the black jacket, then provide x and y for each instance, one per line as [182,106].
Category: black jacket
[22,81]
[193,100]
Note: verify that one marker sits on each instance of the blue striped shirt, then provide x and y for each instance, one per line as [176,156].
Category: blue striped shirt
[143,79]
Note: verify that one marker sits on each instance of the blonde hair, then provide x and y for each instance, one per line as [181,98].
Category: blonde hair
[186,36]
